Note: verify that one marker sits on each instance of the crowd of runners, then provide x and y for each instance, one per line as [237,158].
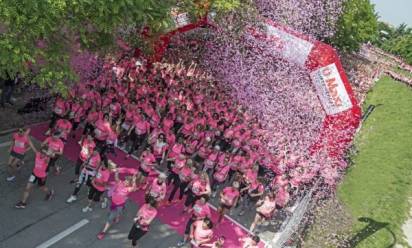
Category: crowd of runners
[189,138]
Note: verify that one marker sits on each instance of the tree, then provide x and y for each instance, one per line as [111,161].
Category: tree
[41,35]
[357,24]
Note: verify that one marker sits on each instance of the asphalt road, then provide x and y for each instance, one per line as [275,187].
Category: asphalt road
[43,222]
[65,225]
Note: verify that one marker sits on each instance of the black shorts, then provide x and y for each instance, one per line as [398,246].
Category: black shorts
[144,173]
[94,194]
[224,206]
[188,225]
[35,179]
[136,233]
[17,155]
[262,216]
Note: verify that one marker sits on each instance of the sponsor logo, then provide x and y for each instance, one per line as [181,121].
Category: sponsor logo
[331,90]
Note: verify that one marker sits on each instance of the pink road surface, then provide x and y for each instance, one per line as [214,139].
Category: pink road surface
[172,215]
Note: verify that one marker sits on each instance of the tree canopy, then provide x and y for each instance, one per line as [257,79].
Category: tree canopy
[358,24]
[45,33]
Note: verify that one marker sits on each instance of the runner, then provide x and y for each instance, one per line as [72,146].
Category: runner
[98,186]
[199,211]
[157,189]
[228,199]
[264,210]
[87,147]
[197,188]
[20,144]
[38,176]
[144,217]
[201,232]
[56,146]
[250,242]
[119,196]
[90,167]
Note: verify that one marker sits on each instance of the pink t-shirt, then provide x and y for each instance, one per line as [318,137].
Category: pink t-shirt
[94,161]
[201,210]
[65,127]
[185,174]
[56,145]
[229,196]
[178,165]
[221,173]
[282,197]
[86,149]
[146,215]
[21,143]
[249,243]
[200,234]
[120,193]
[176,150]
[141,127]
[40,165]
[102,130]
[60,107]
[267,207]
[198,187]
[102,177]
[147,159]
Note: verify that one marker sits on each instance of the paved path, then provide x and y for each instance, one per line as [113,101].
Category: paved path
[41,220]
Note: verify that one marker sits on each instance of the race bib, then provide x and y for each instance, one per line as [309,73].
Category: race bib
[125,126]
[85,151]
[19,144]
[58,110]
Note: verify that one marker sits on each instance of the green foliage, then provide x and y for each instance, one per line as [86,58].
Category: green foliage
[358,24]
[378,185]
[63,24]
[396,40]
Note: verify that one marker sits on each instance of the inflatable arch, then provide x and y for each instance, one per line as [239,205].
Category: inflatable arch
[326,72]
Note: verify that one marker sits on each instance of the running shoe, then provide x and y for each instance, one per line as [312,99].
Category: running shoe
[10,178]
[87,209]
[20,205]
[71,199]
[49,195]
[181,243]
[101,235]
[104,203]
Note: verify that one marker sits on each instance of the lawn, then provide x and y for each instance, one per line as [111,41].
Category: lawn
[376,188]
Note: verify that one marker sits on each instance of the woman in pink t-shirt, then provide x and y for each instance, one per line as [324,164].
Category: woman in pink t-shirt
[38,176]
[250,242]
[89,170]
[200,211]
[147,163]
[97,187]
[64,126]
[201,232]
[91,119]
[183,179]
[142,221]
[220,175]
[87,146]
[157,189]
[119,196]
[60,109]
[198,187]
[265,209]
[228,199]
[20,144]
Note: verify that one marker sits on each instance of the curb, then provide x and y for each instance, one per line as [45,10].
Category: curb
[11,130]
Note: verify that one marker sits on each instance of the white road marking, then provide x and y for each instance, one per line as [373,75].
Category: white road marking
[5,144]
[63,234]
